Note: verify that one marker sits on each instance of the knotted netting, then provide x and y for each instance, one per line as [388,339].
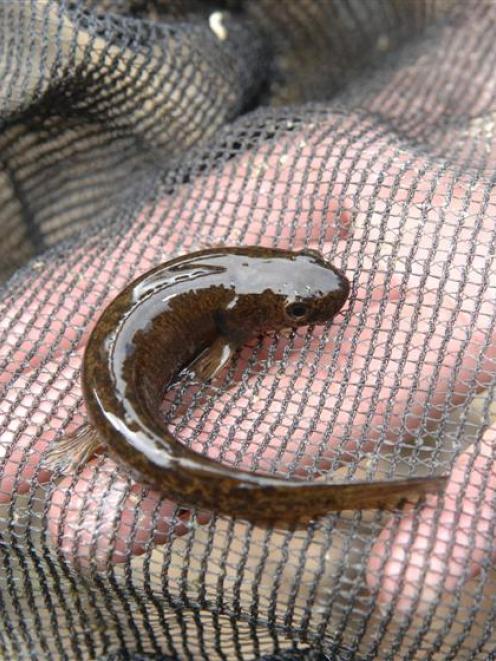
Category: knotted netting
[133,131]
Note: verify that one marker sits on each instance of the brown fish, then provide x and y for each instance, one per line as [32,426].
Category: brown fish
[194,312]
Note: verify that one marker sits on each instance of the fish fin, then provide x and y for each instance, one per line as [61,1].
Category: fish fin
[210,361]
[72,450]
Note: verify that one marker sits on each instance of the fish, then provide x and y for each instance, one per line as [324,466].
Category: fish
[193,313]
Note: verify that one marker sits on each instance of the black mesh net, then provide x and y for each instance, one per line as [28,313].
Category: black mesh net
[137,130]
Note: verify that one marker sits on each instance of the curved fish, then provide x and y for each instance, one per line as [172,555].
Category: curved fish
[194,312]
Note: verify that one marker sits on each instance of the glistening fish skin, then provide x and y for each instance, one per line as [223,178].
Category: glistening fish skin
[194,312]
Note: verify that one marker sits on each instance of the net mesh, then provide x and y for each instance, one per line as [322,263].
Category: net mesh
[136,130]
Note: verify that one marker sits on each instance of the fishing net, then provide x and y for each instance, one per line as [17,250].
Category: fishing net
[133,131]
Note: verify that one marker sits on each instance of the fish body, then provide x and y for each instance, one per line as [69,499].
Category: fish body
[193,313]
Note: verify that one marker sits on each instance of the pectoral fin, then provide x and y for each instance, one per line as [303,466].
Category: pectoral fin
[211,361]
[73,450]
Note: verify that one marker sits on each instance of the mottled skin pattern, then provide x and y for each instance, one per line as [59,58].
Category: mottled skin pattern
[160,323]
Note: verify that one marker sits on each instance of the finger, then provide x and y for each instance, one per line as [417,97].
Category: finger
[415,560]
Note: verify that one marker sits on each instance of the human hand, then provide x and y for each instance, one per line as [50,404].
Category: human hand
[416,339]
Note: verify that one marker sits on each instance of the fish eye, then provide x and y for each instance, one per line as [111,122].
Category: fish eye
[297,310]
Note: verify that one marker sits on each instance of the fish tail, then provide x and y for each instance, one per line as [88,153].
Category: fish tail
[387,493]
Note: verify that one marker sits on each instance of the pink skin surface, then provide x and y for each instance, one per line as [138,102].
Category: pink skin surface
[402,229]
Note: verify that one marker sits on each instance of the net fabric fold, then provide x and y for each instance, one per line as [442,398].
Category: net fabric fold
[136,131]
